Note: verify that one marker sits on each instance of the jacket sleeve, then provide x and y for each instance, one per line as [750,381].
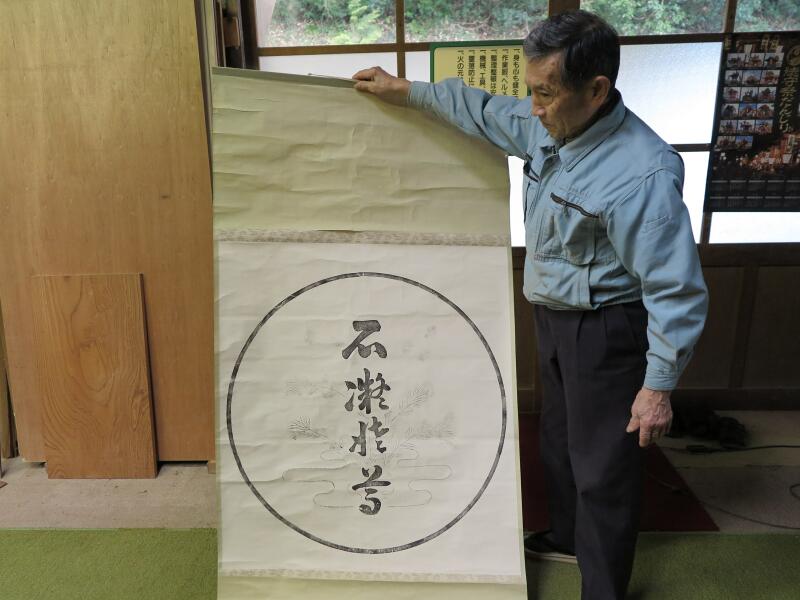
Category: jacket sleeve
[502,120]
[652,235]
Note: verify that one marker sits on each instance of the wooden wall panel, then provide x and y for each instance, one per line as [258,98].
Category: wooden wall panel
[104,164]
[94,377]
[773,349]
[748,354]
[711,364]
[528,391]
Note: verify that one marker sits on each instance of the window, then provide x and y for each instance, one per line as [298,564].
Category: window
[648,17]
[751,228]
[670,84]
[671,87]
[444,21]
[323,22]
[767,15]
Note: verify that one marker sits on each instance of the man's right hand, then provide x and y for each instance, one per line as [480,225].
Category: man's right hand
[386,87]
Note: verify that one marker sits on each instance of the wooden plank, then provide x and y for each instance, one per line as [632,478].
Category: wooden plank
[328,49]
[104,164]
[634,40]
[772,346]
[715,353]
[556,7]
[400,35]
[527,355]
[729,19]
[5,406]
[761,255]
[740,399]
[94,376]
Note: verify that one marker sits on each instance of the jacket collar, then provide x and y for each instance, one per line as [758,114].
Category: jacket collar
[606,123]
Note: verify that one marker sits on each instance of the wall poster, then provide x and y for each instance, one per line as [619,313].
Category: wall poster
[496,67]
[755,157]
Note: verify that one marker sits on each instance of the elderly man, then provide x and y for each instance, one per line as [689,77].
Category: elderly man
[611,268]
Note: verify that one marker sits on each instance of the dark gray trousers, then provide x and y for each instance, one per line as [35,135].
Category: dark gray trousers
[592,366]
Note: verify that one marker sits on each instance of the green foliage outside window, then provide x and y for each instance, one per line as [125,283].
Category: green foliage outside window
[442,20]
[650,17]
[767,15]
[310,22]
[313,22]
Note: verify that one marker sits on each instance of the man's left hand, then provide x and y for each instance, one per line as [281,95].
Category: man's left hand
[651,414]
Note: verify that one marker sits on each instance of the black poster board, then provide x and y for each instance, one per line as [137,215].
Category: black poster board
[755,156]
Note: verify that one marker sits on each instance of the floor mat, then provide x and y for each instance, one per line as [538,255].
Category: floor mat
[181,564]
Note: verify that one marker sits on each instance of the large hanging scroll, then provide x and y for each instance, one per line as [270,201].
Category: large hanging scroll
[366,405]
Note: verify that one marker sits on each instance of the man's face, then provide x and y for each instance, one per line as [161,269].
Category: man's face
[562,111]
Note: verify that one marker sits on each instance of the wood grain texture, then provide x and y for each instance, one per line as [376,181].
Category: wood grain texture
[93,368]
[5,406]
[556,7]
[104,169]
[710,366]
[773,344]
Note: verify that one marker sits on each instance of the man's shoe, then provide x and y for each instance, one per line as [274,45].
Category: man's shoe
[539,546]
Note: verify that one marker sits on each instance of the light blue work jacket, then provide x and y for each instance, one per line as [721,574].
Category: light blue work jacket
[605,221]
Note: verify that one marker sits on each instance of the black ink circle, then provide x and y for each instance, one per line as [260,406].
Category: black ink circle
[311,536]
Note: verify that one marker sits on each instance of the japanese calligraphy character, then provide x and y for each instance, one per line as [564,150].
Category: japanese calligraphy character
[368,393]
[376,429]
[372,480]
[366,328]
[360,440]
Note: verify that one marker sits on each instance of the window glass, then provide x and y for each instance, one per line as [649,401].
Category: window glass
[324,22]
[418,66]
[472,20]
[333,65]
[694,187]
[651,17]
[672,87]
[750,228]
[515,180]
[767,15]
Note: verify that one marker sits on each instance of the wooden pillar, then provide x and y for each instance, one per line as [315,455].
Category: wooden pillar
[400,36]
[555,7]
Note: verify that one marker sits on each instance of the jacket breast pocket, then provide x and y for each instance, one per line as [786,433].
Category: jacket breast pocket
[571,233]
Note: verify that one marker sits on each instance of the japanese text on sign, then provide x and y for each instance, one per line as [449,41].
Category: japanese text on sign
[496,69]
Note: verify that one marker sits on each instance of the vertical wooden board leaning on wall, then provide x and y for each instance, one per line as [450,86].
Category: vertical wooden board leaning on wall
[5,405]
[94,377]
[104,164]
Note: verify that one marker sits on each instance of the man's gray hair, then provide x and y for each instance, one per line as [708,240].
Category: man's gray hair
[589,46]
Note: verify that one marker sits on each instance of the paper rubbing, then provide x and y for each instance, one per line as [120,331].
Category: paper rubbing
[368,426]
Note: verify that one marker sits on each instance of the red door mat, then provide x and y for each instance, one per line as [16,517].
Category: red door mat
[664,509]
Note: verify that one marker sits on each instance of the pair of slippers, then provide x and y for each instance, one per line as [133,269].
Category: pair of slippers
[705,424]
